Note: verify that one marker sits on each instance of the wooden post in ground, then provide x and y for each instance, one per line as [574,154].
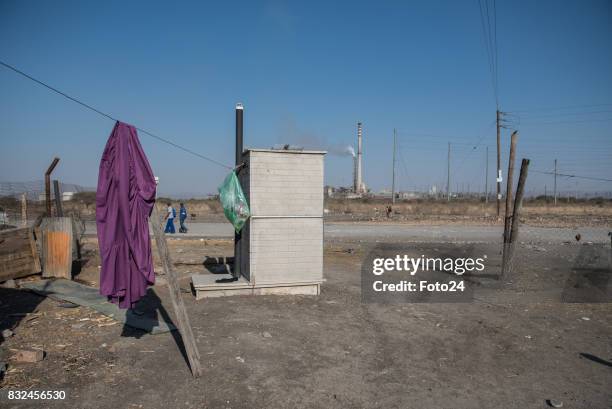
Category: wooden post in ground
[48,185]
[508,249]
[509,182]
[59,210]
[24,210]
[518,201]
[183,324]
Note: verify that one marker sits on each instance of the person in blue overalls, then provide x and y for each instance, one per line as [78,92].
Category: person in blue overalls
[170,215]
[182,218]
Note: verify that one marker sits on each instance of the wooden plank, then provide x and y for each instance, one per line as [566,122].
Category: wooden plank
[24,252]
[16,271]
[183,324]
[13,240]
[16,257]
[19,264]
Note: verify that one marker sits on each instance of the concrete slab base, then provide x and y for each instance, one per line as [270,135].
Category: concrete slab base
[205,286]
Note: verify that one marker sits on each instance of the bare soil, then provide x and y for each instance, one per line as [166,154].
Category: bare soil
[509,349]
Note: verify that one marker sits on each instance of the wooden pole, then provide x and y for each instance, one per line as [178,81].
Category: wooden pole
[509,180]
[184,327]
[58,199]
[24,210]
[48,185]
[508,250]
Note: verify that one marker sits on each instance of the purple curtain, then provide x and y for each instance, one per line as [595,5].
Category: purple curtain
[124,201]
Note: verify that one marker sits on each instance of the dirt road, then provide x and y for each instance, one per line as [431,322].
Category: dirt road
[372,232]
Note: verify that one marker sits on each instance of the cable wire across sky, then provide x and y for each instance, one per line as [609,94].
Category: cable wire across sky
[490,42]
[73,99]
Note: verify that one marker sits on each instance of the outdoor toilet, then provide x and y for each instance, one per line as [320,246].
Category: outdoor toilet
[281,245]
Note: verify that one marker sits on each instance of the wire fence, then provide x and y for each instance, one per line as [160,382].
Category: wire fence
[20,210]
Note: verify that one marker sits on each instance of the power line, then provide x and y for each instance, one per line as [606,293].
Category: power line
[401,132]
[403,163]
[560,108]
[573,176]
[109,116]
[490,42]
[495,43]
[562,114]
[568,122]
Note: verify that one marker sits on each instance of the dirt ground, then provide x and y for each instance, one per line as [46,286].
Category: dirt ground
[515,347]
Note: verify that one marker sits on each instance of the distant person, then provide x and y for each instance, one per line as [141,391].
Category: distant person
[170,215]
[389,211]
[182,218]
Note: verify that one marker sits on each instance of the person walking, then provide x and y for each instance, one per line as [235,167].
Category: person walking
[170,215]
[182,218]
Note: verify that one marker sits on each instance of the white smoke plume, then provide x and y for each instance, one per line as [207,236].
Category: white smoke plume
[350,150]
[292,135]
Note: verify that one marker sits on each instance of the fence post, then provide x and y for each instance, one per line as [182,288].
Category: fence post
[48,185]
[24,210]
[58,199]
[509,247]
[509,182]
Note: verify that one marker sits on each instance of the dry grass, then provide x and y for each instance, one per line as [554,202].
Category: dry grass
[590,212]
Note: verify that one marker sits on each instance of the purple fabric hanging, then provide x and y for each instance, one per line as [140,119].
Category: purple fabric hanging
[124,200]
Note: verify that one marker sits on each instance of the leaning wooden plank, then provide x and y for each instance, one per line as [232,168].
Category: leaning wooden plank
[183,324]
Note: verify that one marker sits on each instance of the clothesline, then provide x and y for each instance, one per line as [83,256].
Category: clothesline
[113,118]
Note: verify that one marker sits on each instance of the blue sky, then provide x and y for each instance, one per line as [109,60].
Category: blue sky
[306,73]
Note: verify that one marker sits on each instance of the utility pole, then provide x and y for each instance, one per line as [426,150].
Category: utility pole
[555,185]
[487,177]
[393,181]
[498,122]
[448,175]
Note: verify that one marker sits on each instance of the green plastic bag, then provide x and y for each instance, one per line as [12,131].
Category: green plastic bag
[234,202]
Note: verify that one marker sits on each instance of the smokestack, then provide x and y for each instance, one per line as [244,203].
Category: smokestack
[358,180]
[239,148]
